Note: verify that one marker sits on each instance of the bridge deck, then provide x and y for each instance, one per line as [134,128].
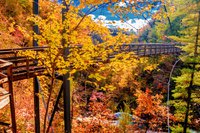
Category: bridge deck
[22,68]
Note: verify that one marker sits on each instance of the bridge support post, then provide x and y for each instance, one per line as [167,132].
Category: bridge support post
[66,99]
[36,105]
[66,81]
[35,80]
[145,49]
[12,103]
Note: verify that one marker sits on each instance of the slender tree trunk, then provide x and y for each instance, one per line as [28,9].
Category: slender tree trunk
[49,99]
[189,91]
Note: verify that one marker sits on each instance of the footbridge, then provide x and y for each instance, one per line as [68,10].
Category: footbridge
[15,67]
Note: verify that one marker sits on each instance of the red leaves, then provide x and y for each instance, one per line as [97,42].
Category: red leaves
[96,95]
[97,104]
[18,35]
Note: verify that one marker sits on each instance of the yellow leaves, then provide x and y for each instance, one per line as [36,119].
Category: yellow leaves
[84,3]
[108,88]
[97,76]
[11,28]
[157,16]
[172,9]
[150,67]
[148,7]
[28,53]
[79,33]
[80,61]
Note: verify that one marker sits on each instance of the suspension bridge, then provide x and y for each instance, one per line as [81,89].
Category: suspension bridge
[15,67]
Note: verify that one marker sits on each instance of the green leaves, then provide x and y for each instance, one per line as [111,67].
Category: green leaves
[189,78]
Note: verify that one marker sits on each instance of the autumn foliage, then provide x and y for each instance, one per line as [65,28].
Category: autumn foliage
[104,80]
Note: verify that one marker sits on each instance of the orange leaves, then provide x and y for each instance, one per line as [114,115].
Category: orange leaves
[145,102]
[150,108]
[84,3]
[148,103]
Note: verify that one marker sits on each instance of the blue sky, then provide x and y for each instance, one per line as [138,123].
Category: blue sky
[134,22]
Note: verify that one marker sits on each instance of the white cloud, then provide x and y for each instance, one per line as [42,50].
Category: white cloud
[119,24]
[101,18]
[122,4]
[131,24]
[154,11]
[139,23]
[92,16]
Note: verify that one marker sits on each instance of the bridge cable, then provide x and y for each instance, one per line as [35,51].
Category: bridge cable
[168,92]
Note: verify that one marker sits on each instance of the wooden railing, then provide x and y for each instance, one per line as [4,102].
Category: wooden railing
[4,95]
[23,67]
[4,66]
[150,49]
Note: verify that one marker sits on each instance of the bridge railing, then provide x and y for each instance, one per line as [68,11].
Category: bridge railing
[5,70]
[150,49]
[22,66]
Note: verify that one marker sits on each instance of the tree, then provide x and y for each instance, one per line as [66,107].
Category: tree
[186,92]
[150,109]
[78,29]
[178,21]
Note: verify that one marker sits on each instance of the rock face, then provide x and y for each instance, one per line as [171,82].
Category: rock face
[4,98]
